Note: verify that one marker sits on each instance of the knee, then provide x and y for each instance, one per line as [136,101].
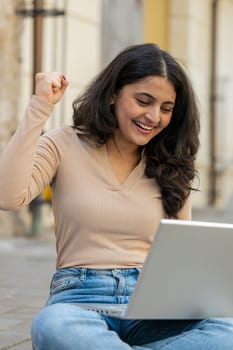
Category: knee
[221,331]
[63,326]
[48,327]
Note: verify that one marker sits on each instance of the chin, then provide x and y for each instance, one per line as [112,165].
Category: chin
[143,142]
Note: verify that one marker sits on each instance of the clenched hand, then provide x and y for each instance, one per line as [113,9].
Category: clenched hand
[50,86]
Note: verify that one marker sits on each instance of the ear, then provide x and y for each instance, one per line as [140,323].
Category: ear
[113,99]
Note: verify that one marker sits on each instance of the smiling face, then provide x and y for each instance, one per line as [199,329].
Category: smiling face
[143,109]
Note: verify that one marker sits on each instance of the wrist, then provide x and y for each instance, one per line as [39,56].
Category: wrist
[44,99]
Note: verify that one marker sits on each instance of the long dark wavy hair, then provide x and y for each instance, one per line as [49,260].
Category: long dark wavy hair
[170,156]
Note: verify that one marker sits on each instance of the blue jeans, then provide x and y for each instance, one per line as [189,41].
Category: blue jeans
[62,325]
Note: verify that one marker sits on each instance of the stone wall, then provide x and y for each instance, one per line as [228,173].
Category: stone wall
[190,43]
[71,45]
[10,34]
[190,38]
[10,28]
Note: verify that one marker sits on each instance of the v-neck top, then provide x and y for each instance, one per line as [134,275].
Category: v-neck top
[99,223]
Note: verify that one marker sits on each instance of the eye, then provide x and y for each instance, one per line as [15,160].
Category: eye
[166,109]
[142,102]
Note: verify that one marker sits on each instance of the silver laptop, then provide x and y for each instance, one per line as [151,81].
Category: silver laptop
[188,274]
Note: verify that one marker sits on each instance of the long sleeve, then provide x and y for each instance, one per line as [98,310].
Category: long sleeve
[28,162]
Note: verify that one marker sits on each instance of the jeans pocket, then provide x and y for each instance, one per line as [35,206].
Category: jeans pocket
[63,280]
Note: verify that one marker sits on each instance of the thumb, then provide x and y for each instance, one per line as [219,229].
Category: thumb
[64,83]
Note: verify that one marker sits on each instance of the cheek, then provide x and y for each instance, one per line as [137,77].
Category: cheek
[125,112]
[166,121]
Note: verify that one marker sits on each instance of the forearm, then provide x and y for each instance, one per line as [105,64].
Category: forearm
[17,186]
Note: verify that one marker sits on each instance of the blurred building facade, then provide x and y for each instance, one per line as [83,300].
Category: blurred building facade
[79,37]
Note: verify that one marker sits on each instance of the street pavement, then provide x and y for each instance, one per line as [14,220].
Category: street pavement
[26,268]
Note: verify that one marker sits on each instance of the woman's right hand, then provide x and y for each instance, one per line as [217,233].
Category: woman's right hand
[50,86]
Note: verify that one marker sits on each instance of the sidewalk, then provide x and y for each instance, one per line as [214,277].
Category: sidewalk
[26,267]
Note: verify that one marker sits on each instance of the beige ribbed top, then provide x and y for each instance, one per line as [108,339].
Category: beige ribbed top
[99,222]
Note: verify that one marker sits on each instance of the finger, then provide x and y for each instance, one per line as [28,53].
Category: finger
[56,86]
[64,80]
[64,83]
[56,81]
[59,82]
[50,86]
[52,79]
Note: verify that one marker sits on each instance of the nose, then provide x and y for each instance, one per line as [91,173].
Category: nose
[153,115]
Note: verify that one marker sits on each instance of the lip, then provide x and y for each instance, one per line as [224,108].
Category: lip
[141,130]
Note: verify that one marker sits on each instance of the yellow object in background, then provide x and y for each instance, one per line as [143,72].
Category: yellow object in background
[47,194]
[156,15]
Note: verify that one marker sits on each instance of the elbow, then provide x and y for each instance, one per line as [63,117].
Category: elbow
[8,205]
[8,202]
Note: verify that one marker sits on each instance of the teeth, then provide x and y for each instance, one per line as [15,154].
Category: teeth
[143,126]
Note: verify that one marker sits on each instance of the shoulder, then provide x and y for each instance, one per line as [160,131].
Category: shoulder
[63,138]
[60,135]
[59,132]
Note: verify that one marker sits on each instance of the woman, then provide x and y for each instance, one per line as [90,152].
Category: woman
[127,162]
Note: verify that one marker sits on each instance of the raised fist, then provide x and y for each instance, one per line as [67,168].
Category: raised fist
[50,86]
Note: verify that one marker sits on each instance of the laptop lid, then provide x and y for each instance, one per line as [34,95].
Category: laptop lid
[188,273]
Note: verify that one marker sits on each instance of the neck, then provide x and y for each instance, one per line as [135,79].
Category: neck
[122,150]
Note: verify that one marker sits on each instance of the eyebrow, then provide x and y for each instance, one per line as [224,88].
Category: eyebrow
[151,97]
